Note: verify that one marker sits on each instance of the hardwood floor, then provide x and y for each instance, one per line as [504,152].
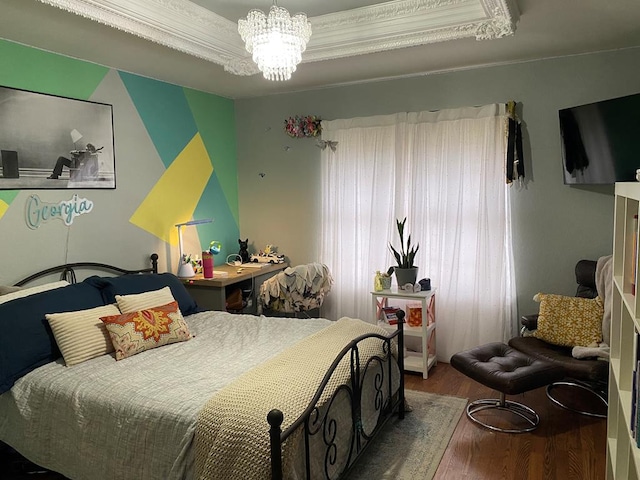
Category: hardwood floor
[565,446]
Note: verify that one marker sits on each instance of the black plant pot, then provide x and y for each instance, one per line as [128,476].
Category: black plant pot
[406,275]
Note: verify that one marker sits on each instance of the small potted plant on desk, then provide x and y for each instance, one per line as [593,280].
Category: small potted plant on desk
[406,271]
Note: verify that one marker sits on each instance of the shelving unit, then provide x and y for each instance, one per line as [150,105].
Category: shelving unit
[423,360]
[623,456]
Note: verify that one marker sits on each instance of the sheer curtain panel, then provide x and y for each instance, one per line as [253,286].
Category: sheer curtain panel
[444,171]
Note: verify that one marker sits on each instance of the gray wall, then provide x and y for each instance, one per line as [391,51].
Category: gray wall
[554,225]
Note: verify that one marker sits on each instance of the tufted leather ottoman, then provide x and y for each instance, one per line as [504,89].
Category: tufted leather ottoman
[508,371]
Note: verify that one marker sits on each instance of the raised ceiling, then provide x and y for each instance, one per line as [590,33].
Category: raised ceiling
[196,44]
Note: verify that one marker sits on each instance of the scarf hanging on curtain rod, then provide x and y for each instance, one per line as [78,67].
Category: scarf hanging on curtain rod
[515,157]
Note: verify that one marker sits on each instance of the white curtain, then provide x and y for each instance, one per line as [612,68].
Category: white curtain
[445,172]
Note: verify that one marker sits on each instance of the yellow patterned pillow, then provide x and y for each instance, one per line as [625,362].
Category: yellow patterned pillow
[569,321]
[136,332]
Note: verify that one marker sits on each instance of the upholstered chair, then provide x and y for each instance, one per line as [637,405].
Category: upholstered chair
[589,372]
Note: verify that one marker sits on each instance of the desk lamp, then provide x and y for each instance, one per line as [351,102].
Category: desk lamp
[185,269]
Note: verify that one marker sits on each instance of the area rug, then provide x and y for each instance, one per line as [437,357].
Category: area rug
[411,449]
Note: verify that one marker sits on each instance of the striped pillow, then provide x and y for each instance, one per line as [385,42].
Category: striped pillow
[143,301]
[25,292]
[81,335]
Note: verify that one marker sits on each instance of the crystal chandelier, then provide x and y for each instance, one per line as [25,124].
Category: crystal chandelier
[275,41]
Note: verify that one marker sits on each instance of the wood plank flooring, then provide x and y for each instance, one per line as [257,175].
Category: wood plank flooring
[565,446]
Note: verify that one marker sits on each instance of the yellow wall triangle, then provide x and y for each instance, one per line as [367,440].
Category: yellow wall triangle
[175,196]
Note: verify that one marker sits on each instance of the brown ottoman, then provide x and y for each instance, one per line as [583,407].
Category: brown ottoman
[510,372]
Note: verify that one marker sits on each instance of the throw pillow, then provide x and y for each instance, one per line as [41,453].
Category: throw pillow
[569,321]
[4,289]
[26,292]
[81,335]
[131,284]
[141,301]
[135,332]
[27,341]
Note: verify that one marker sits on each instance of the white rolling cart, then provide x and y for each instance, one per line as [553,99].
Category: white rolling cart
[414,361]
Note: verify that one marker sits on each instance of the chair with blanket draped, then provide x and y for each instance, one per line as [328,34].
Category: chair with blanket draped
[573,332]
[296,291]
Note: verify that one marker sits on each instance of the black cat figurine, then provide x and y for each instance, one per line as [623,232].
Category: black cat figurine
[244,253]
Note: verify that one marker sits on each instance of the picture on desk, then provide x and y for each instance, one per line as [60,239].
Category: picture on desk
[53,142]
[390,315]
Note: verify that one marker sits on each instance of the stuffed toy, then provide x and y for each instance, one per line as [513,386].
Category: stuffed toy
[244,253]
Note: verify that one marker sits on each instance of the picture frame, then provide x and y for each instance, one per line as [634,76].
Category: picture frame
[54,142]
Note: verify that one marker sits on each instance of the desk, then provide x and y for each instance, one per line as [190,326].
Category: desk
[211,293]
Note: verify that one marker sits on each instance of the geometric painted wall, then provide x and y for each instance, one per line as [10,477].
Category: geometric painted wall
[175,154]
[195,152]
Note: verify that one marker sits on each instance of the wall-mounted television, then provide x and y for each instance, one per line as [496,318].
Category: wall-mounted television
[601,141]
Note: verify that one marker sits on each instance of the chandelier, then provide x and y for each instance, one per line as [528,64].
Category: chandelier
[277,41]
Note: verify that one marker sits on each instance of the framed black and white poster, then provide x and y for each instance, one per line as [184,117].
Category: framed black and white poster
[52,142]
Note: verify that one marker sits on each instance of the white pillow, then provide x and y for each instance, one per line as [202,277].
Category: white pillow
[81,335]
[25,292]
[4,289]
[143,301]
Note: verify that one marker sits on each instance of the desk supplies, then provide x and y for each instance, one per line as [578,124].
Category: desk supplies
[207,264]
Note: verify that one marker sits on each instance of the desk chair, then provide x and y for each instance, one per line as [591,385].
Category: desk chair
[295,291]
[85,167]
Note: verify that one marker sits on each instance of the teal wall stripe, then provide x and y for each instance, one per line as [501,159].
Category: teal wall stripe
[165,112]
[224,228]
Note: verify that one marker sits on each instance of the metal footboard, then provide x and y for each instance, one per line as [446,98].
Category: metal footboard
[319,426]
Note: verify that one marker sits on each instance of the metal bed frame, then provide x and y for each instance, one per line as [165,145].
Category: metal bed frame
[67,271]
[318,418]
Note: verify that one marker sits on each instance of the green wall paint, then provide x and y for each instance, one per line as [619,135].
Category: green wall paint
[8,195]
[212,116]
[64,76]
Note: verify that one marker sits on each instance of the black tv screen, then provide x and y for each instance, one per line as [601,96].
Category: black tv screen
[600,141]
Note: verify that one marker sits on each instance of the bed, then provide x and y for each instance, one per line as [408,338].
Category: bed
[231,396]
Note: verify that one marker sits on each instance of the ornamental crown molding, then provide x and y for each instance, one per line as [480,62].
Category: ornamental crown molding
[194,30]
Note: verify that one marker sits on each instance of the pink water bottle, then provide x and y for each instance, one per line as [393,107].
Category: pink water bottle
[207,264]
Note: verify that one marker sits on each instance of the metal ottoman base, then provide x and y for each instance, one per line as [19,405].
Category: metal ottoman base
[515,408]
[510,372]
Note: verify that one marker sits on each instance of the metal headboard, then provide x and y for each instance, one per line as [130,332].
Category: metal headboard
[67,271]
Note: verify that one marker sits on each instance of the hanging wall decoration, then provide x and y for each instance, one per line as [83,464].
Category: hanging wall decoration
[53,142]
[323,144]
[300,127]
[39,212]
[515,155]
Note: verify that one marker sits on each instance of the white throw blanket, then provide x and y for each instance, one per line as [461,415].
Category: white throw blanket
[604,284]
[232,441]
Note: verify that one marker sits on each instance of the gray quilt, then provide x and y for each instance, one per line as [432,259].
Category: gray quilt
[135,419]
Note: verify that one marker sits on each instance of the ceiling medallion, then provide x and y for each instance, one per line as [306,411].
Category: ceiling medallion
[277,41]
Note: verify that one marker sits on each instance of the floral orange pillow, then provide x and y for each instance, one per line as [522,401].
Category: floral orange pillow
[136,332]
